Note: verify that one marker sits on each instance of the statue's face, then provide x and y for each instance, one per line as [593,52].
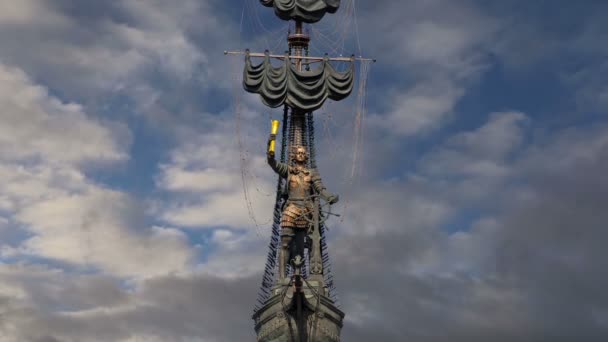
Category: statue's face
[301,155]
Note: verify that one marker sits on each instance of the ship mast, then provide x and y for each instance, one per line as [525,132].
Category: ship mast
[298,41]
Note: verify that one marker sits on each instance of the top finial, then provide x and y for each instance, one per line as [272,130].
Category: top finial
[308,11]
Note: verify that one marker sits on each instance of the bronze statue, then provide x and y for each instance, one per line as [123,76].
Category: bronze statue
[302,186]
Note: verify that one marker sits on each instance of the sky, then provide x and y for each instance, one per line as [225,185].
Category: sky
[135,200]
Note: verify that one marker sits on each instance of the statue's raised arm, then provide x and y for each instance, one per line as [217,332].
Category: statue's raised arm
[281,168]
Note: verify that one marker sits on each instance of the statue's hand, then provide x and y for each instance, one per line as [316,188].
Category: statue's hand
[270,154]
[333,199]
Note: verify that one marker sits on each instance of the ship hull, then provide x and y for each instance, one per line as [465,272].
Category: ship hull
[277,320]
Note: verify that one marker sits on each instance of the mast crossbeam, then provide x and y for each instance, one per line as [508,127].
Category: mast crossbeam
[311,59]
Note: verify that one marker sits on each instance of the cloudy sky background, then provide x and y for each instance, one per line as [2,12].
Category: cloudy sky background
[479,211]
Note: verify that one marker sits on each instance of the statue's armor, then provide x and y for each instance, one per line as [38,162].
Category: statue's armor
[299,204]
[301,184]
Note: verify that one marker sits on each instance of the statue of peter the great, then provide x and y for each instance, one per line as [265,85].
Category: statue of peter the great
[302,184]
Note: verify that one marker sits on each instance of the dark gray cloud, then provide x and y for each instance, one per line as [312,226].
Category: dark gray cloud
[536,269]
[81,308]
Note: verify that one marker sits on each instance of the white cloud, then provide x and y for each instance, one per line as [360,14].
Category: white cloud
[217,210]
[94,229]
[37,125]
[389,207]
[94,58]
[238,254]
[44,143]
[206,180]
[481,153]
[169,49]
[437,58]
[89,226]
[497,138]
[25,11]
[444,43]
[421,109]
[205,177]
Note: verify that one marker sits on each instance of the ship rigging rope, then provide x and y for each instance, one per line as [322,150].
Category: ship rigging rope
[256,24]
[243,158]
[359,119]
[247,178]
[340,27]
[357,27]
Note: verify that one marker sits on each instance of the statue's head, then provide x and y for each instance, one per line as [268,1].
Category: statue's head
[300,154]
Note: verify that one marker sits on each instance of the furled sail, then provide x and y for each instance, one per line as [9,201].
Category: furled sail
[306,90]
[308,11]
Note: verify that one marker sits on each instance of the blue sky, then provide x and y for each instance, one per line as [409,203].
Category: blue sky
[136,200]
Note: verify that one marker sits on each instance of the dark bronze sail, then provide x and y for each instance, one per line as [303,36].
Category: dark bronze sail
[305,90]
[308,11]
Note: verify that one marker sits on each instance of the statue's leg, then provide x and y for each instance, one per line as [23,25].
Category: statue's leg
[287,234]
[284,252]
[299,241]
